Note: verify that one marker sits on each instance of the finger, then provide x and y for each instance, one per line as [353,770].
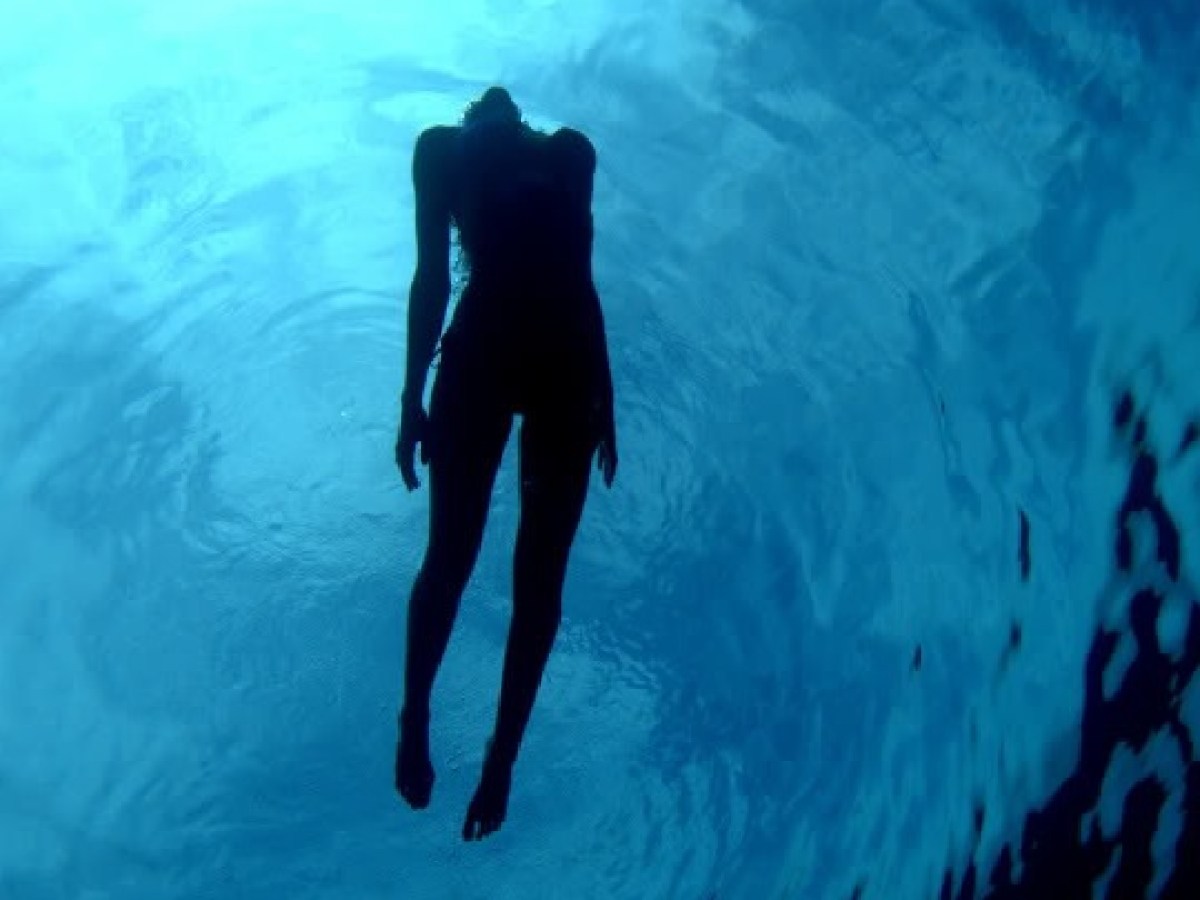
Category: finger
[410,475]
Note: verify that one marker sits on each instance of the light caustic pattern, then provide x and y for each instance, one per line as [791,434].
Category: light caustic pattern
[875,276]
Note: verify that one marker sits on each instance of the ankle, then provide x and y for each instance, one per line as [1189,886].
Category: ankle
[414,716]
[498,758]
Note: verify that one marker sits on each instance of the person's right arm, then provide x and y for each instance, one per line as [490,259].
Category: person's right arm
[582,161]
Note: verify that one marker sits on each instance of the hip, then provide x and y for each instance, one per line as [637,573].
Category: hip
[550,373]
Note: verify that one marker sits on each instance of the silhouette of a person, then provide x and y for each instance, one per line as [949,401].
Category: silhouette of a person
[527,338]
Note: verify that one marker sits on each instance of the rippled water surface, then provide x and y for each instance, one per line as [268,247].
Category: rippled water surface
[876,276]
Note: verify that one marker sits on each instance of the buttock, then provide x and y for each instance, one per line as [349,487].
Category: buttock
[479,387]
[522,376]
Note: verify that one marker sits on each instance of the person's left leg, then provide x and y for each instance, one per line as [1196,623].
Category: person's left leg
[555,462]
[468,431]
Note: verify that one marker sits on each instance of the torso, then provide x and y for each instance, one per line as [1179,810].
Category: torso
[522,210]
[527,328]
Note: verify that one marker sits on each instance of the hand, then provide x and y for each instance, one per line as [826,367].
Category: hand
[606,450]
[414,428]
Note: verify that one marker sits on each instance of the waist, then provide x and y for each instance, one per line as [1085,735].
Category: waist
[548,310]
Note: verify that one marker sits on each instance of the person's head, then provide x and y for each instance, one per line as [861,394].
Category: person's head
[494,105]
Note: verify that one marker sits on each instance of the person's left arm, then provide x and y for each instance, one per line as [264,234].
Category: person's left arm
[429,294]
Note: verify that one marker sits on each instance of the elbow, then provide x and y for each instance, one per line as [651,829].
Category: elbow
[431,285]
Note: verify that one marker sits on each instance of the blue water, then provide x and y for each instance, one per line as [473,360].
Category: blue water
[875,276]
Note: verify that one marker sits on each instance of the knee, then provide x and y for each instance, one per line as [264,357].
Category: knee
[444,574]
[538,601]
[539,563]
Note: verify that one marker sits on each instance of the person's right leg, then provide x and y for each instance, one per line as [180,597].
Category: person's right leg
[555,462]
[468,444]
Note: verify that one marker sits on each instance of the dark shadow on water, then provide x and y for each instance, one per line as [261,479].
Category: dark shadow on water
[1062,850]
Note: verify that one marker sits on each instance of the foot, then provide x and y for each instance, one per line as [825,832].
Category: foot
[414,771]
[490,803]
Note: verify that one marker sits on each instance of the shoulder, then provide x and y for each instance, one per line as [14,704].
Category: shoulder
[437,139]
[434,152]
[576,147]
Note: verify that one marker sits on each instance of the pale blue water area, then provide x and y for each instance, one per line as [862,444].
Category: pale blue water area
[874,275]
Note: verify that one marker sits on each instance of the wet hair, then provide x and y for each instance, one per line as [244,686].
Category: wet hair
[494,104]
